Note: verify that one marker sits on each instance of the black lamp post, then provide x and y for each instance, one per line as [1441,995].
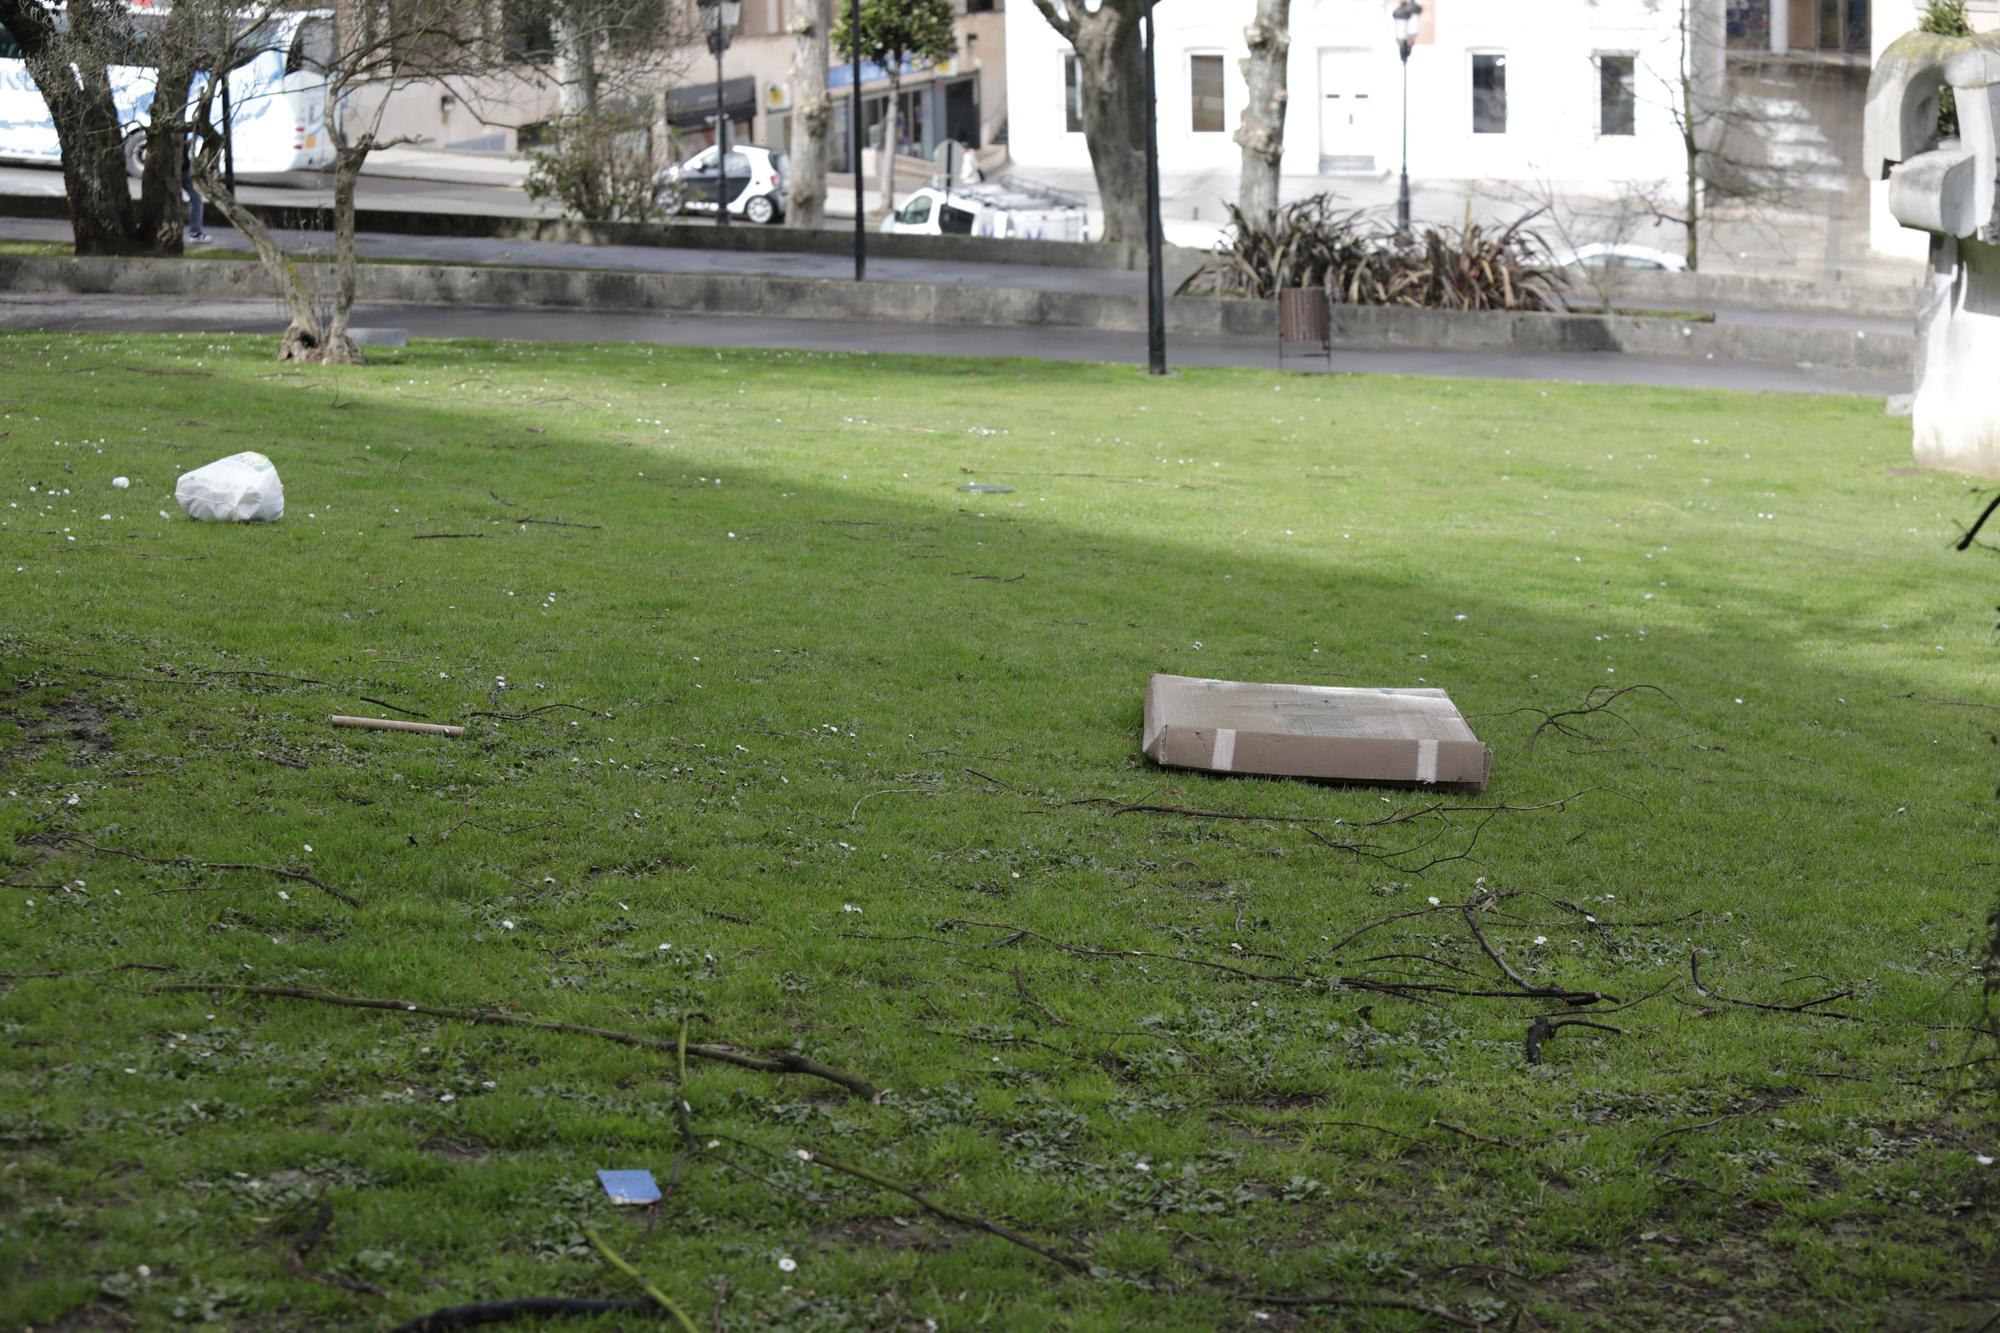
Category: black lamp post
[724,15]
[1156,296]
[854,125]
[1406,15]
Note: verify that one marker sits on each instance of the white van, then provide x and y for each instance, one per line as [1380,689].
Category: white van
[277,98]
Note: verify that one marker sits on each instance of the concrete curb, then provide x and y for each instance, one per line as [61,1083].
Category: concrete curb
[944,303]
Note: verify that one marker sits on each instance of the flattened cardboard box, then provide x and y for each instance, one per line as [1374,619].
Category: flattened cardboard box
[1312,731]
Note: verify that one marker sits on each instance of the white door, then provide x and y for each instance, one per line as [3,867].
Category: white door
[1350,108]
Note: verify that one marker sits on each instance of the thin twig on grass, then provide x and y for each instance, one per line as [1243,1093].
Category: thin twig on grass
[1216,1274]
[192,863]
[659,1298]
[495,828]
[533,712]
[1810,1008]
[1569,997]
[782,1062]
[1068,1261]
[853,814]
[86,972]
[551,522]
[1597,699]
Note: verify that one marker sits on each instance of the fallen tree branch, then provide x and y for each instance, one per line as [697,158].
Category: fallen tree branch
[533,1307]
[191,863]
[1544,1027]
[1966,541]
[1810,1008]
[306,1241]
[783,1062]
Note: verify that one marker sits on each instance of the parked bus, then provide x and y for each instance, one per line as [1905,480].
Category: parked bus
[277,98]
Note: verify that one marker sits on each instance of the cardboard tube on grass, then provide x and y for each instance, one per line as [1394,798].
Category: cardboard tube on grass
[390,724]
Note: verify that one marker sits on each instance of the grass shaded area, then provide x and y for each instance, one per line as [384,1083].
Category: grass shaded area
[774,731]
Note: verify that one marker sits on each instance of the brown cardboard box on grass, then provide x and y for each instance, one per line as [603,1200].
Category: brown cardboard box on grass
[1313,731]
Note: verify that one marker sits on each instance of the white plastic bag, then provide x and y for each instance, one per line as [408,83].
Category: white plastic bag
[242,488]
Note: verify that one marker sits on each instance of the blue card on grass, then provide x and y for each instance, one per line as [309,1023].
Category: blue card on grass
[630,1187]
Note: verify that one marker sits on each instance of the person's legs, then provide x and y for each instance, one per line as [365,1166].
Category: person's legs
[195,206]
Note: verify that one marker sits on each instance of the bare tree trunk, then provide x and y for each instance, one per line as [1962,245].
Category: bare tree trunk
[1262,131]
[887,175]
[336,347]
[75,83]
[1111,63]
[304,337]
[812,112]
[1691,145]
[575,57]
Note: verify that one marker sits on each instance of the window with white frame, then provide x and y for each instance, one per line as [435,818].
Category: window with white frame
[1205,93]
[1072,95]
[1617,94]
[1489,92]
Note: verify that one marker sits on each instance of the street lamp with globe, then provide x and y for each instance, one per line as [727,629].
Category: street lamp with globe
[1405,15]
[723,16]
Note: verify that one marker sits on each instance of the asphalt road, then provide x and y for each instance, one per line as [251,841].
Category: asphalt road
[26,311]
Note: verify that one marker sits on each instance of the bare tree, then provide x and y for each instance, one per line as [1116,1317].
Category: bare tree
[1723,136]
[812,112]
[1262,131]
[1111,66]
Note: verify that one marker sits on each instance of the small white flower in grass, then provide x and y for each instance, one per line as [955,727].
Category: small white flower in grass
[1142,1166]
[1982,1159]
[284,897]
[74,799]
[1433,900]
[506,924]
[488,1083]
[308,846]
[850,907]
[714,1143]
[1541,939]
[786,1264]
[120,483]
[143,1271]
[666,948]
[803,1155]
[447,1097]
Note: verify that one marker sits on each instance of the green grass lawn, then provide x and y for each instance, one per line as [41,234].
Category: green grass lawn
[778,739]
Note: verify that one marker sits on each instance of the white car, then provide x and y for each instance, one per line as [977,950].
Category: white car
[1623,254]
[754,179]
[989,208]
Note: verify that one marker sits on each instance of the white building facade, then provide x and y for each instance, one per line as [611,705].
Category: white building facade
[1525,91]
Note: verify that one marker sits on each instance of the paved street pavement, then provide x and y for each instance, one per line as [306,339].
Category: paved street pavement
[177,315]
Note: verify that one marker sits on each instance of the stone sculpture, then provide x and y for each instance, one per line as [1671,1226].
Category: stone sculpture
[1947,187]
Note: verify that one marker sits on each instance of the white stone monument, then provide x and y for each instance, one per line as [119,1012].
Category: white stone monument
[1947,187]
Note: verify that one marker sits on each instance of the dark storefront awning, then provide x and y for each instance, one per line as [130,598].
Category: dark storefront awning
[696,105]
